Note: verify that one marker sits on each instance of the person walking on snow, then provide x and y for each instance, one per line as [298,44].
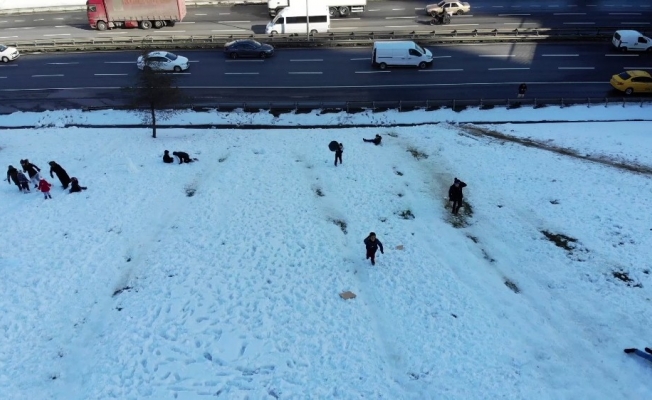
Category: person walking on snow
[44,186]
[372,244]
[338,153]
[32,170]
[23,182]
[455,195]
[61,174]
[12,176]
[647,355]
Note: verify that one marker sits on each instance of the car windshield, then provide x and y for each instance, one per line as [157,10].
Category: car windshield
[276,19]
[420,48]
[3,47]
[255,43]
[171,56]
[624,76]
[441,3]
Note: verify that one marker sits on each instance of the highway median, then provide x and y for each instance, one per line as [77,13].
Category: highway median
[339,39]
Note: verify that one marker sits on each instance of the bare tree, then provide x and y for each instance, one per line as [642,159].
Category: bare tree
[158,92]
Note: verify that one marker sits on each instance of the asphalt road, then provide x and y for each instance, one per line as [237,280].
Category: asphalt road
[379,15]
[321,75]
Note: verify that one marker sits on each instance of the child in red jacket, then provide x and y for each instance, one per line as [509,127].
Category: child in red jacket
[44,187]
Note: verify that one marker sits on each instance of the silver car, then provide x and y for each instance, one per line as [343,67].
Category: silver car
[451,7]
[162,61]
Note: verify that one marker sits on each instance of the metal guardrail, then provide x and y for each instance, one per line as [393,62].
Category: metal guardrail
[441,35]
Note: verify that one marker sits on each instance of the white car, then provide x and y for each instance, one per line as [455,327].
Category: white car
[162,61]
[451,7]
[8,53]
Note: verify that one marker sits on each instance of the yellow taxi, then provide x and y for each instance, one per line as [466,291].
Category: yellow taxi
[632,82]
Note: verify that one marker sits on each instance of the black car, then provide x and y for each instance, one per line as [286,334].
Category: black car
[248,48]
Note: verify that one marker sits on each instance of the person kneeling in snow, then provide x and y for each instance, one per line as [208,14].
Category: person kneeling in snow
[372,245]
[44,186]
[74,186]
[183,157]
[167,158]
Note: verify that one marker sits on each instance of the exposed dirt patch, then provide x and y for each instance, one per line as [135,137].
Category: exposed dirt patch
[624,276]
[406,214]
[510,284]
[416,153]
[341,224]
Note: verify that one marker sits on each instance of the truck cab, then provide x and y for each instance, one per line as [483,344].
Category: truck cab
[96,12]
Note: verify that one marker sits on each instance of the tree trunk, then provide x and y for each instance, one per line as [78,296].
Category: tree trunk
[153,111]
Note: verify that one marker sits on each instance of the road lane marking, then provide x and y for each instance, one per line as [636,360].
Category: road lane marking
[635,68]
[207,14]
[441,56]
[119,62]
[40,19]
[195,61]
[244,60]
[305,73]
[60,18]
[167,32]
[232,30]
[442,70]
[15,29]
[505,69]
[373,10]
[399,26]
[514,15]
[46,76]
[349,27]
[520,23]
[569,14]
[398,9]
[8,37]
[579,23]
[58,34]
[400,17]
[10,65]
[232,22]
[308,60]
[419,8]
[19,20]
[625,14]
[621,55]
[344,20]
[62,63]
[219,14]
[241,73]
[370,72]
[576,68]
[112,33]
[463,24]
[497,55]
[559,55]
[61,26]
[3,77]
[361,59]
[111,74]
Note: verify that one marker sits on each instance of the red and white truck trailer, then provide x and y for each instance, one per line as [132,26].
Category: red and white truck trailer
[144,14]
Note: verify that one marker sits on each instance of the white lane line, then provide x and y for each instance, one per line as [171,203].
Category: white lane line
[625,13]
[398,9]
[635,23]
[179,73]
[399,17]
[576,68]
[308,60]
[514,15]
[112,33]
[370,72]
[10,65]
[361,59]
[505,69]
[349,27]
[497,55]
[46,76]
[186,22]
[621,55]
[61,26]
[232,22]
[241,61]
[569,14]
[194,61]
[305,73]
[635,68]
[205,14]
[344,20]
[241,73]
[442,70]
[58,34]
[60,18]
[19,20]
[233,30]
[399,26]
[519,23]
[463,25]
[111,74]
[167,32]
[119,62]
[219,14]
[419,8]
[40,19]
[8,37]
[373,10]
[62,63]
[16,29]
[579,23]
[560,55]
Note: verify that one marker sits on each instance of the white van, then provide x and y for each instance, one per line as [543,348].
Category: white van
[293,20]
[400,54]
[631,41]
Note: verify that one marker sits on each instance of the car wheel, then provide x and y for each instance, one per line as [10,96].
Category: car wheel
[344,11]
[332,11]
[171,23]
[101,26]
[382,65]
[274,32]
[177,69]
[145,24]
[5,59]
[422,65]
[158,24]
[629,91]
[433,14]
[262,55]
[233,55]
[313,32]
[460,12]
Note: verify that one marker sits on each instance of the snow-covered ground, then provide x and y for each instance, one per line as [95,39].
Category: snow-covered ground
[136,290]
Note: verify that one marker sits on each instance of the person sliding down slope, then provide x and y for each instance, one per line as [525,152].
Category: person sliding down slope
[375,140]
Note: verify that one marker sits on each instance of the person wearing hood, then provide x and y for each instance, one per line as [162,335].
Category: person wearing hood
[375,140]
[167,158]
[32,170]
[23,182]
[372,244]
[75,187]
[455,195]
[61,174]
[338,153]
[45,186]
[12,176]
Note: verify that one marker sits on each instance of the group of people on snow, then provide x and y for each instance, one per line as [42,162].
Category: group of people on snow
[181,156]
[20,180]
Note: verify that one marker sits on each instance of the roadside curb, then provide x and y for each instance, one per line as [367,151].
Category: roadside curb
[189,3]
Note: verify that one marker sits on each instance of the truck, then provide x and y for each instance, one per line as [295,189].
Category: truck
[144,14]
[336,8]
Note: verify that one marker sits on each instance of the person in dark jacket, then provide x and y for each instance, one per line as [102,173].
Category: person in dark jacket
[375,140]
[167,158]
[647,355]
[23,182]
[372,244]
[61,174]
[12,176]
[455,195]
[183,157]
[75,187]
[521,90]
[338,153]
[33,172]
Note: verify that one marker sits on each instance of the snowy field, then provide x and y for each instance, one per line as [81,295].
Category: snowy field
[221,279]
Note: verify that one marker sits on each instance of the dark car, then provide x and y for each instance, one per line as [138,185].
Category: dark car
[248,48]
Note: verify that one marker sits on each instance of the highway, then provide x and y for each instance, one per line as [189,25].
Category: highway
[379,15]
[322,75]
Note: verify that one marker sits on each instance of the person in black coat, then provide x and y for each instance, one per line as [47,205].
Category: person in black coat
[338,153]
[372,244]
[167,158]
[74,186]
[183,157]
[32,170]
[61,174]
[12,176]
[521,90]
[375,140]
[455,195]
[23,182]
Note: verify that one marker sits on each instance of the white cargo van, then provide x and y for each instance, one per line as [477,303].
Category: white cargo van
[401,54]
[293,20]
[631,41]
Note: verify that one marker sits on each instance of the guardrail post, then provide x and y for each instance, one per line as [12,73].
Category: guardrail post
[400,105]
[347,107]
[606,102]
[427,104]
[588,101]
[623,102]
[535,102]
[481,103]
[453,104]
[373,105]
[562,103]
